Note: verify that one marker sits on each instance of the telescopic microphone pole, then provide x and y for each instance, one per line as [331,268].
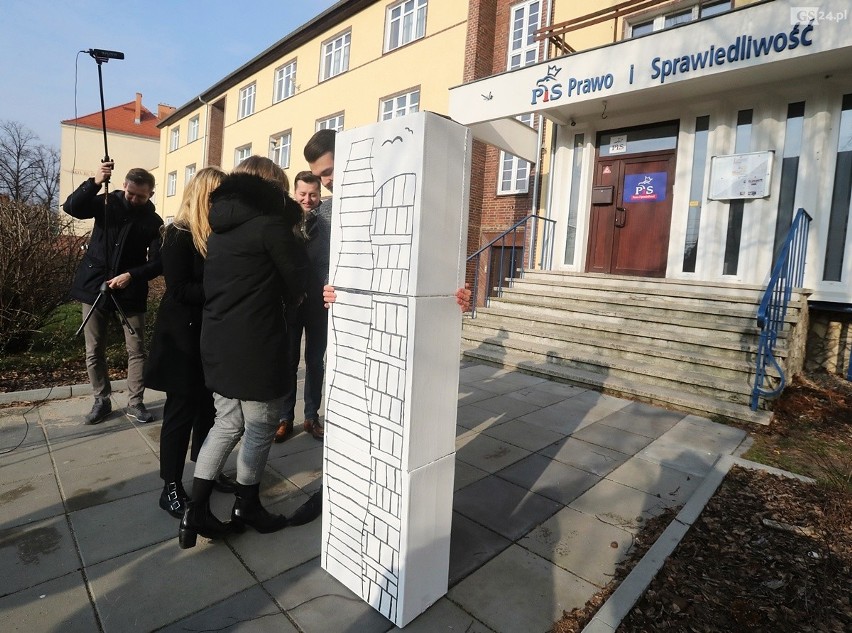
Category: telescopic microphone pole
[102,57]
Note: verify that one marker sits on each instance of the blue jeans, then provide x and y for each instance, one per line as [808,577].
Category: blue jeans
[254,422]
[313,319]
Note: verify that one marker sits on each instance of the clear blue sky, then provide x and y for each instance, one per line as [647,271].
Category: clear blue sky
[174,50]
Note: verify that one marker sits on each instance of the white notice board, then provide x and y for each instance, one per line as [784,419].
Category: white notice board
[740,176]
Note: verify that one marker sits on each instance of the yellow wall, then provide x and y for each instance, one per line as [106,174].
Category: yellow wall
[372,75]
[82,149]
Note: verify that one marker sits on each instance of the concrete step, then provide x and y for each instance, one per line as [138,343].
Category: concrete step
[648,372]
[729,364]
[615,385]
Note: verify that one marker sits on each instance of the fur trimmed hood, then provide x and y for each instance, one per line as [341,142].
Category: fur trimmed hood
[243,197]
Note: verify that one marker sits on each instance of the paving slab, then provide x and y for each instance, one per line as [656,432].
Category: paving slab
[623,441]
[84,451]
[543,397]
[619,505]
[36,553]
[250,611]
[298,442]
[471,546]
[125,525]
[303,469]
[673,486]
[29,500]
[88,486]
[61,604]
[589,457]
[20,429]
[468,394]
[672,453]
[524,435]
[519,591]
[476,372]
[503,507]
[267,555]
[507,381]
[549,478]
[444,617]
[465,474]
[508,406]
[643,419]
[474,417]
[581,544]
[163,574]
[320,604]
[487,453]
[573,414]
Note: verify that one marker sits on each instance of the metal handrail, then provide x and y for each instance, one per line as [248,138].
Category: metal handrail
[788,273]
[526,257]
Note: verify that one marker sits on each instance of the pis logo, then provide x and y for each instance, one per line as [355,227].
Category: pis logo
[543,91]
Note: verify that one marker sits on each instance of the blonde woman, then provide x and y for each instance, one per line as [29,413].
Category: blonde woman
[255,266]
[174,363]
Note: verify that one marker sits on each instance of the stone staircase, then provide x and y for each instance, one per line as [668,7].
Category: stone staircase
[688,346]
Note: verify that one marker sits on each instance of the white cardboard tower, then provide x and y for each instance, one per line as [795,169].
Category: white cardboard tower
[398,246]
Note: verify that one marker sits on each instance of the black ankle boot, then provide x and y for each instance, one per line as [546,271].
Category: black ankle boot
[248,511]
[225,484]
[173,499]
[198,519]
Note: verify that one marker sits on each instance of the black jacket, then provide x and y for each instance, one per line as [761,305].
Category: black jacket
[255,265]
[174,362]
[134,246]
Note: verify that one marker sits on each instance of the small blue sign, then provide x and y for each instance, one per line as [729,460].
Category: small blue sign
[645,187]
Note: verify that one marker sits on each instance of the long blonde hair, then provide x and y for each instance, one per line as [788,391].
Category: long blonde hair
[263,167]
[194,209]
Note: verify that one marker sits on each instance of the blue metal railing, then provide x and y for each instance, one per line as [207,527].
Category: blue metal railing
[788,273]
[527,232]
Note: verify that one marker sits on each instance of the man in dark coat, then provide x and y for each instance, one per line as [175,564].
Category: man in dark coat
[124,254]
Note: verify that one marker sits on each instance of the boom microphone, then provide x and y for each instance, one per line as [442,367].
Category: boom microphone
[100,54]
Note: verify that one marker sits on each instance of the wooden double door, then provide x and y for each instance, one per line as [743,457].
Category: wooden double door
[630,217]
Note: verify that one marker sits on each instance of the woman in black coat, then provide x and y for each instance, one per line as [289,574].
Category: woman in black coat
[254,268]
[174,363]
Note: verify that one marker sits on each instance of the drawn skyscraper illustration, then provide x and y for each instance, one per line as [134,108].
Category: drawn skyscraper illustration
[397,256]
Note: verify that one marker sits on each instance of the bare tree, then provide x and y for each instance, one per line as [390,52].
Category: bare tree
[29,171]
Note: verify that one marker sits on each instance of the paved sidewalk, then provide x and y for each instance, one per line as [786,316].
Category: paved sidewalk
[552,484]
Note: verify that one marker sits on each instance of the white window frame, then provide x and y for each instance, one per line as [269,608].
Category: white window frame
[523,48]
[517,168]
[188,174]
[279,148]
[285,81]
[192,129]
[658,20]
[399,105]
[171,184]
[247,95]
[241,153]
[333,122]
[335,56]
[174,139]
[405,22]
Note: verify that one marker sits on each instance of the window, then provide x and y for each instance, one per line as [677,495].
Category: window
[246,101]
[789,174]
[192,130]
[171,183]
[285,81]
[335,56]
[841,194]
[696,193]
[514,172]
[401,105]
[523,47]
[331,123]
[241,154]
[734,234]
[279,149]
[174,139]
[645,24]
[189,174]
[574,199]
[406,22]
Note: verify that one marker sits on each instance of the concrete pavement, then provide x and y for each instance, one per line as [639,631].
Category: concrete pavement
[553,482]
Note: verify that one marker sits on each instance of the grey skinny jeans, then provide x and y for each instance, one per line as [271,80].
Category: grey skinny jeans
[254,422]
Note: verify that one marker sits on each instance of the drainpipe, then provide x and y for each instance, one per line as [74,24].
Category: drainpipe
[539,147]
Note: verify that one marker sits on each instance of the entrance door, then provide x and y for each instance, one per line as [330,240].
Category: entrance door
[631,215]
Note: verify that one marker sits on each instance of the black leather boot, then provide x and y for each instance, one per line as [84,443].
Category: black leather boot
[308,511]
[225,484]
[173,499]
[198,519]
[248,511]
